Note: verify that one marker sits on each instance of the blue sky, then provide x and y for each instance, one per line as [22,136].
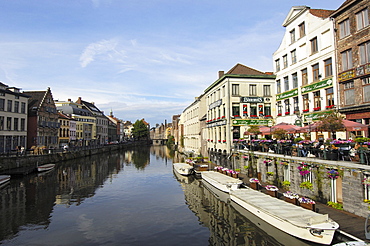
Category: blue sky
[141,59]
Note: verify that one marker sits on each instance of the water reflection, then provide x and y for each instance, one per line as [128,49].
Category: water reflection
[229,224]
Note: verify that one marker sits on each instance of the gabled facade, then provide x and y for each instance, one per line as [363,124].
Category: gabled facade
[127,127]
[119,126]
[101,131]
[85,121]
[305,67]
[351,21]
[240,98]
[43,125]
[13,118]
[67,130]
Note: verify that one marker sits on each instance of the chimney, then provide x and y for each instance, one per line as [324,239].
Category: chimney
[220,74]
[69,99]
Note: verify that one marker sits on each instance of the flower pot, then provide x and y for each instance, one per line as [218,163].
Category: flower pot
[235,175]
[272,193]
[254,186]
[294,200]
[309,206]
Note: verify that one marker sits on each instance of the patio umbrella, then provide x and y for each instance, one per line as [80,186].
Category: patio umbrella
[354,126]
[288,127]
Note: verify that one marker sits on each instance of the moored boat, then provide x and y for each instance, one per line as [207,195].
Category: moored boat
[294,220]
[45,167]
[4,179]
[221,181]
[183,168]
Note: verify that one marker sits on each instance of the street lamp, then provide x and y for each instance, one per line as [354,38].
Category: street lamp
[309,120]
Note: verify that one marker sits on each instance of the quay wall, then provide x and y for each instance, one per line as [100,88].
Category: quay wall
[30,161]
[346,189]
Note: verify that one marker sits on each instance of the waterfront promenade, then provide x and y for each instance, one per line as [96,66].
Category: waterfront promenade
[350,224]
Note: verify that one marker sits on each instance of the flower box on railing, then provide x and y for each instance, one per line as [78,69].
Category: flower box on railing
[317,108]
[279,114]
[253,116]
[268,116]
[305,110]
[223,117]
[286,113]
[330,107]
[219,141]
[224,141]
[307,203]
[254,183]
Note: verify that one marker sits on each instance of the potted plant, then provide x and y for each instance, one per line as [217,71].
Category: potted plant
[307,203]
[306,185]
[271,190]
[254,183]
[291,197]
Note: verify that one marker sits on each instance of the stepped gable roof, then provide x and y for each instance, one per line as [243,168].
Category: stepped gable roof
[322,13]
[36,98]
[242,69]
[89,105]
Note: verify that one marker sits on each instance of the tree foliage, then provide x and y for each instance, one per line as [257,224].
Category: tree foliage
[331,122]
[279,133]
[140,130]
[253,129]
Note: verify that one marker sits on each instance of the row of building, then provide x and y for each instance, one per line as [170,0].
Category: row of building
[32,119]
[322,64]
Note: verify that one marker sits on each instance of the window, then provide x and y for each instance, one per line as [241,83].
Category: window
[304,76]
[292,36]
[1,123]
[295,80]
[8,123]
[23,124]
[329,97]
[16,120]
[278,86]
[279,108]
[302,30]
[349,93]
[253,110]
[366,86]
[317,100]
[315,72]
[295,104]
[236,111]
[306,102]
[10,105]
[286,83]
[346,60]
[235,89]
[344,30]
[23,108]
[364,50]
[266,90]
[367,187]
[285,61]
[293,53]
[314,46]
[287,106]
[328,67]
[2,104]
[362,19]
[267,110]
[16,107]
[277,65]
[253,90]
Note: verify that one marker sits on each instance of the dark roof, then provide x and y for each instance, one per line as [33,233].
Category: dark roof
[342,7]
[242,69]
[35,99]
[322,13]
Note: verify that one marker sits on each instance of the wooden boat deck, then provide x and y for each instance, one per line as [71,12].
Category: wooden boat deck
[281,209]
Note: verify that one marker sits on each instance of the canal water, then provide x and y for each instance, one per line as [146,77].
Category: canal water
[131,197]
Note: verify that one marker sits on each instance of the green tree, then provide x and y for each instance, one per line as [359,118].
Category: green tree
[280,133]
[140,130]
[331,122]
[254,130]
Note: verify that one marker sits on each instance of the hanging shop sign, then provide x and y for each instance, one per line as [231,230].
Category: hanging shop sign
[215,104]
[252,99]
[287,94]
[350,74]
[259,122]
[316,116]
[317,86]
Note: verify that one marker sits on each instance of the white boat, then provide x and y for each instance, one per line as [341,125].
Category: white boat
[352,243]
[4,179]
[183,168]
[45,167]
[221,181]
[294,220]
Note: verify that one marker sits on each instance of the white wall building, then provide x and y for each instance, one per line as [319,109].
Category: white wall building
[305,67]
[240,98]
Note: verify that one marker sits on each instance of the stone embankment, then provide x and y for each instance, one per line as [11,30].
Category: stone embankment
[25,163]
